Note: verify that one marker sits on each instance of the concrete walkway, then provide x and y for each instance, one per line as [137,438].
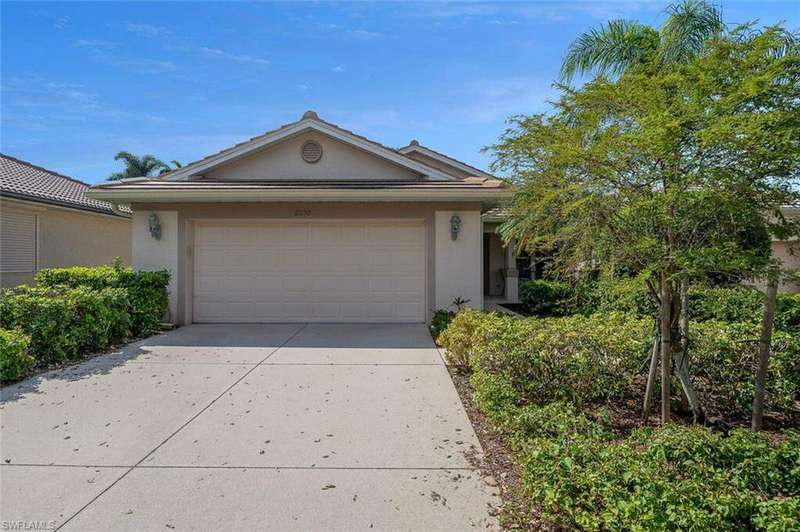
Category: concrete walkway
[244,427]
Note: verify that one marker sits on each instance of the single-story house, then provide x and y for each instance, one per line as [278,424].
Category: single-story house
[46,221]
[311,222]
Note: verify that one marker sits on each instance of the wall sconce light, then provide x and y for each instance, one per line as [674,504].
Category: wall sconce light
[155,226]
[455,226]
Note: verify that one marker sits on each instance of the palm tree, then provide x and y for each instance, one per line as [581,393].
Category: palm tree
[144,166]
[612,48]
[175,166]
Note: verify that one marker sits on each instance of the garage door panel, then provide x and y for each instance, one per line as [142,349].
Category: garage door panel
[264,271]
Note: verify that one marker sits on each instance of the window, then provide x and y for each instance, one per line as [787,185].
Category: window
[17,241]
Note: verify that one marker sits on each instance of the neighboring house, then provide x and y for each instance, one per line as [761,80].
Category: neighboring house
[47,221]
[311,222]
[789,250]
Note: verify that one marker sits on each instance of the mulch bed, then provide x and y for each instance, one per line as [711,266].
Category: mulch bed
[516,513]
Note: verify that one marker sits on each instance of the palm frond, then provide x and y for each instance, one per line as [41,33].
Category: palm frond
[610,49]
[688,26]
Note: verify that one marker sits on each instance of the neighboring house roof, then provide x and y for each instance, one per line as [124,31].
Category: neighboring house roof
[415,146]
[308,122]
[23,180]
[497,214]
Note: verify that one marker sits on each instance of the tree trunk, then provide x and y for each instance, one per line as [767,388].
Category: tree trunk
[651,374]
[764,352]
[666,346]
[689,397]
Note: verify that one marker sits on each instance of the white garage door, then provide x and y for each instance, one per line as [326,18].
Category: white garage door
[267,271]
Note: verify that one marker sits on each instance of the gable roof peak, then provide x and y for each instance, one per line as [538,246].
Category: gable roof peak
[310,115]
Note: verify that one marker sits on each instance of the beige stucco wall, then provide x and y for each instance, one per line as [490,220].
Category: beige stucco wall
[150,254]
[70,237]
[459,271]
[789,254]
[339,162]
[166,254]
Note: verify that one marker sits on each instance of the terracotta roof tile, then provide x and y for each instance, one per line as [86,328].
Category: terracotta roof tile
[27,181]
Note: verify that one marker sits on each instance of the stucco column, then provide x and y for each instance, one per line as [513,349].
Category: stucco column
[512,275]
[458,261]
[150,253]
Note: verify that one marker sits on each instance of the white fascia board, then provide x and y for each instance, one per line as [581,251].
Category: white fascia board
[184,173]
[444,159]
[293,195]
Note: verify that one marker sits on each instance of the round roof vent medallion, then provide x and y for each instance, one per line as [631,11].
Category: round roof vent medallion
[312,151]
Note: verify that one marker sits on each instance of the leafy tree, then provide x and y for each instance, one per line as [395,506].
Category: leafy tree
[135,166]
[662,170]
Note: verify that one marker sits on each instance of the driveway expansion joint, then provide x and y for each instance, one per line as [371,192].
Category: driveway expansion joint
[195,416]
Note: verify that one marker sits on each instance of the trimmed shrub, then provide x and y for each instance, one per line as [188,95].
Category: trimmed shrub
[580,359]
[577,359]
[458,337]
[743,304]
[738,304]
[441,319]
[147,291]
[63,322]
[547,298]
[15,361]
[724,358]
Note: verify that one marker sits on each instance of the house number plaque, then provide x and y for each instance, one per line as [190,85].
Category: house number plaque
[302,213]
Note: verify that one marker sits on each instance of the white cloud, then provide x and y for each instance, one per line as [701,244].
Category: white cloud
[495,99]
[41,102]
[303,87]
[364,34]
[147,30]
[338,68]
[144,66]
[80,43]
[244,58]
[547,11]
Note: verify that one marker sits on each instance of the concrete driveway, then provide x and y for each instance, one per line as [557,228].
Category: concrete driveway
[243,427]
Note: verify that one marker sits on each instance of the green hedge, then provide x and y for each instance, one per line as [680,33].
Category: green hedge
[547,298]
[738,304]
[596,358]
[576,358]
[147,291]
[531,377]
[742,305]
[15,361]
[64,322]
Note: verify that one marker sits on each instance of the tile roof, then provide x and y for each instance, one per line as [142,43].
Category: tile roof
[23,180]
[207,184]
[414,145]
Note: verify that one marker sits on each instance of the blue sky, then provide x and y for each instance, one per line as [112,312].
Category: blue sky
[81,81]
